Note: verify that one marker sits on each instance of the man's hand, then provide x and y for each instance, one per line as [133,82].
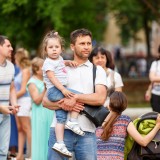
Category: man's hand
[9,109]
[70,104]
[78,107]
[5,109]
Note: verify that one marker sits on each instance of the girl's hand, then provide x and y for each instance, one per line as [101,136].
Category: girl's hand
[158,120]
[71,63]
[148,96]
[67,93]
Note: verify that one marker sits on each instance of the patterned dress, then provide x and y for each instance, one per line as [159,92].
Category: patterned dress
[113,148]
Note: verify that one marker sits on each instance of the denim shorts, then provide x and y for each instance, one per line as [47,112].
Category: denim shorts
[54,94]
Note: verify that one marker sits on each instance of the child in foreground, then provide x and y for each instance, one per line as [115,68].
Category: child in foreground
[55,77]
[111,137]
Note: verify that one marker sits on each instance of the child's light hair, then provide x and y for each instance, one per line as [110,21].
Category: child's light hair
[22,56]
[49,35]
[36,64]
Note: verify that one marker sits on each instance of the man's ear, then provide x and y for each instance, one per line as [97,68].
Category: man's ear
[72,47]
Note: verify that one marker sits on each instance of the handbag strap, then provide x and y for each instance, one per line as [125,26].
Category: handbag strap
[148,150]
[94,76]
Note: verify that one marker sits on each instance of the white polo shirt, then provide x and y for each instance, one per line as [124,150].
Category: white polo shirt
[81,79]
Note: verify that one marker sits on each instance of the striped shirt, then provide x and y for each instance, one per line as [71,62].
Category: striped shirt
[113,148]
[6,77]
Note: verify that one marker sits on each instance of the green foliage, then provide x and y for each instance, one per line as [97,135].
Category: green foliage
[26,21]
[132,16]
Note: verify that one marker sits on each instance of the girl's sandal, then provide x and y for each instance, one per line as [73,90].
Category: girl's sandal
[75,128]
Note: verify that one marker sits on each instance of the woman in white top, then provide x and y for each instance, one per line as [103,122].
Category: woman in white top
[154,76]
[102,57]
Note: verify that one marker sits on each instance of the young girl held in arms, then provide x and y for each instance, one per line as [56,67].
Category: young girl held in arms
[55,77]
[111,137]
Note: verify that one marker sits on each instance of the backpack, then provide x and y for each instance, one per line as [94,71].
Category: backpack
[152,150]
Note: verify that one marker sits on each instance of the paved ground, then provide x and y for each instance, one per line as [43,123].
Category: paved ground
[136,112]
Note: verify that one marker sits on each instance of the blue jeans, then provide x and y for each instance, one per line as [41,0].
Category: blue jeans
[54,94]
[4,135]
[84,147]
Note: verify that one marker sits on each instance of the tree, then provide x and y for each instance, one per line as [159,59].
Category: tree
[26,21]
[134,15]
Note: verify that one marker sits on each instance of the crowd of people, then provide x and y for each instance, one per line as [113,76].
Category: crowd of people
[47,96]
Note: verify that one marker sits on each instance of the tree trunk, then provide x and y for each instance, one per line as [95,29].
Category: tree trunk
[147,30]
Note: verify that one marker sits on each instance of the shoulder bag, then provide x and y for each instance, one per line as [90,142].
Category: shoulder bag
[96,114]
[111,89]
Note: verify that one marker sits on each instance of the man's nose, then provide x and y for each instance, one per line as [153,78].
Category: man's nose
[86,46]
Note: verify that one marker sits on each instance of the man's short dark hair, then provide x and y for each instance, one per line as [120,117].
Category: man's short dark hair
[2,39]
[79,32]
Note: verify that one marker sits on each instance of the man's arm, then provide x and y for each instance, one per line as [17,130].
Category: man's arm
[48,104]
[77,107]
[97,98]
[13,99]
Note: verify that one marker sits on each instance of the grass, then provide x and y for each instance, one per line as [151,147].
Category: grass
[139,105]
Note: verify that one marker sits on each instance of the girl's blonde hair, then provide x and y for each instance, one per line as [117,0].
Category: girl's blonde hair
[118,103]
[49,35]
[36,64]
[22,56]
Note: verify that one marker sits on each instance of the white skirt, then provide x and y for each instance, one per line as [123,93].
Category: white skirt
[25,106]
